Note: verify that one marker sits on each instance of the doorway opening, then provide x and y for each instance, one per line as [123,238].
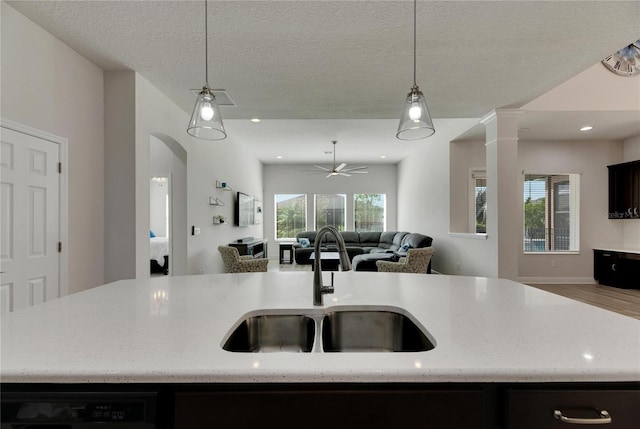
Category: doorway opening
[160,225]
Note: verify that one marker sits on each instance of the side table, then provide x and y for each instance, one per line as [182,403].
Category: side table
[283,247]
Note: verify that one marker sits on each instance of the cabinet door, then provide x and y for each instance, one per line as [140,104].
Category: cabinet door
[635,190]
[335,409]
[628,271]
[605,267]
[533,409]
[624,190]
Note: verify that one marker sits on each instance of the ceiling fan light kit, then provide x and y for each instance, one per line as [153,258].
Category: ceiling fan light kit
[626,61]
[415,121]
[206,121]
[340,170]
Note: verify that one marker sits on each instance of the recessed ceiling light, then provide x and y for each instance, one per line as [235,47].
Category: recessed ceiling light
[586,128]
[383,156]
[279,156]
[255,120]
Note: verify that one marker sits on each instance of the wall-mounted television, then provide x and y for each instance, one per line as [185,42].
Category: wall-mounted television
[245,213]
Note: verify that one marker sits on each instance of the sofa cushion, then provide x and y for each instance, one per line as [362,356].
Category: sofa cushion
[305,242]
[367,262]
[416,240]
[369,239]
[311,235]
[397,241]
[354,251]
[351,238]
[386,239]
[303,255]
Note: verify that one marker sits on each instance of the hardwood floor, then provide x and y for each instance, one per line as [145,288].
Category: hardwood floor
[623,301]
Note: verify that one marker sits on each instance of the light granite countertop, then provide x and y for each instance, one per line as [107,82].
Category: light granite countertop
[171,329]
[620,249]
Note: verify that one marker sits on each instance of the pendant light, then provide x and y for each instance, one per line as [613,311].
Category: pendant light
[206,122]
[415,122]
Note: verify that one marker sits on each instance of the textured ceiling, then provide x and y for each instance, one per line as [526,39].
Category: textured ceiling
[345,59]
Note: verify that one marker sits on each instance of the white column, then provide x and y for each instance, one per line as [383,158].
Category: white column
[504,193]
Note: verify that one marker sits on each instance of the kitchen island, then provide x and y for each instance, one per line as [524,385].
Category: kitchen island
[490,336]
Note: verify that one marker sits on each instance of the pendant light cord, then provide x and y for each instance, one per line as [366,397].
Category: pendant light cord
[414,42]
[206,46]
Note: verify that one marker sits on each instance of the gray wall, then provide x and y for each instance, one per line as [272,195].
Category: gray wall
[47,86]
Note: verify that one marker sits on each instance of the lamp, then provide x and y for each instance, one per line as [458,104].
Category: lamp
[206,121]
[415,122]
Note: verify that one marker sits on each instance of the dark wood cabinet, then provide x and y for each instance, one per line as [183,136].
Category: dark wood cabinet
[541,409]
[624,190]
[405,405]
[489,405]
[619,269]
[336,407]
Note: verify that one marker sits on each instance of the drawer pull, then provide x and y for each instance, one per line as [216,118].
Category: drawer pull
[604,419]
[613,267]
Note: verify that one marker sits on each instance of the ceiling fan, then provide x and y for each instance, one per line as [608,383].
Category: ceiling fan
[340,170]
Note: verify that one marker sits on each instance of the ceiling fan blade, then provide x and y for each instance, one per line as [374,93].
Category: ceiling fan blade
[354,172]
[321,168]
[329,175]
[344,174]
[340,167]
[356,168]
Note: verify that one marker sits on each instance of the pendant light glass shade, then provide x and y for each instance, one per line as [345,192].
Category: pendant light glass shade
[206,121]
[415,122]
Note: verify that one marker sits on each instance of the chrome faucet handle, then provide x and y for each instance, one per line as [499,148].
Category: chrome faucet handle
[329,288]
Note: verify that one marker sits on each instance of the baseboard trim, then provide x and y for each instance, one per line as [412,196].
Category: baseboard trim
[557,280]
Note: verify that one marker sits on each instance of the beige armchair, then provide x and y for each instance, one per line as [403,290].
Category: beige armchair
[234,263]
[416,261]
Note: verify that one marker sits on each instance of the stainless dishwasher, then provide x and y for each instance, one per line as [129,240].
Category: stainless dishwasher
[79,410]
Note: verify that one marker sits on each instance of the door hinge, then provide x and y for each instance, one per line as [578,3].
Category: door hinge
[59,168]
[59,246]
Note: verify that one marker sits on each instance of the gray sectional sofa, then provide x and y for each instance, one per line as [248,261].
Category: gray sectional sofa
[364,248]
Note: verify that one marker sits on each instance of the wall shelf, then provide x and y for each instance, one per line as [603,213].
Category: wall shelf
[223,185]
[215,201]
[217,220]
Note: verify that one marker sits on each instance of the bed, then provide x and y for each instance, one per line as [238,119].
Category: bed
[159,254]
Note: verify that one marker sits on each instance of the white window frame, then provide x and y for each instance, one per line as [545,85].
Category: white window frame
[384,208]
[474,174]
[574,215]
[275,215]
[315,210]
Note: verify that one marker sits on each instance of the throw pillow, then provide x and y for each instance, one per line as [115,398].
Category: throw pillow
[405,247]
[151,234]
[305,242]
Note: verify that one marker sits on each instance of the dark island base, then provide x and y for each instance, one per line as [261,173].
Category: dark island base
[334,405]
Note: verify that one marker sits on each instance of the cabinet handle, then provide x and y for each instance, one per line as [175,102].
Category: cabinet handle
[613,267]
[604,419]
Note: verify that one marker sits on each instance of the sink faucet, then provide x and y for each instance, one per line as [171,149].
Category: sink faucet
[345,263]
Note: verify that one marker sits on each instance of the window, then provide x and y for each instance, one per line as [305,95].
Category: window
[291,215]
[369,212]
[478,203]
[330,210]
[551,213]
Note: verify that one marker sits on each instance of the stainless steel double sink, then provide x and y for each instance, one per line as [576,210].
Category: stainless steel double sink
[336,329]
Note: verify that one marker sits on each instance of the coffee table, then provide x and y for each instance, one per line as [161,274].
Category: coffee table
[329,261]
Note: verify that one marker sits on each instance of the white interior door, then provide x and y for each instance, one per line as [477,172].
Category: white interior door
[29,221]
